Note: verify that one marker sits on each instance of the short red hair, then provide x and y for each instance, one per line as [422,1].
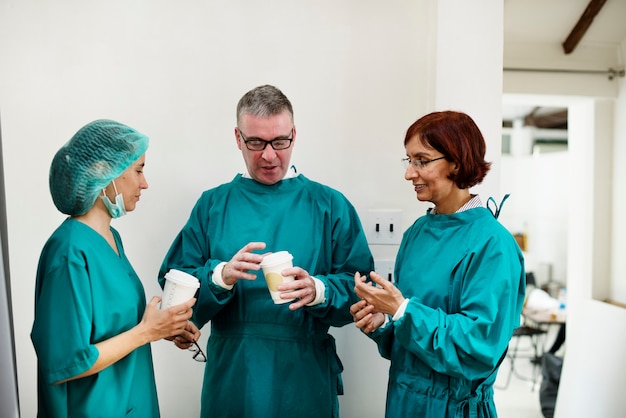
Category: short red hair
[458,138]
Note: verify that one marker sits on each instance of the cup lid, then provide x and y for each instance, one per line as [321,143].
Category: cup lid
[276,258]
[182,278]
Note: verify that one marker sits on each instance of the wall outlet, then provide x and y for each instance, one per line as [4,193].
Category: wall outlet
[384,227]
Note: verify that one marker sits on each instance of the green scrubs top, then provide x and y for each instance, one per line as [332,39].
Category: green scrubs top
[464,276]
[85,293]
[265,361]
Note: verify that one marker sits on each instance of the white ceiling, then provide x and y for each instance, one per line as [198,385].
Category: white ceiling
[551,21]
[534,31]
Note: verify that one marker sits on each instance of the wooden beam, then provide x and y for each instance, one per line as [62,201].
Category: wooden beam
[582,25]
[553,120]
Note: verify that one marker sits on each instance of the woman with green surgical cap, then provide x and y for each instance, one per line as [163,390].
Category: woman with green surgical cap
[446,322]
[92,326]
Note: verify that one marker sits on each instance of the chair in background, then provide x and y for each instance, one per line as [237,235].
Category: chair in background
[530,351]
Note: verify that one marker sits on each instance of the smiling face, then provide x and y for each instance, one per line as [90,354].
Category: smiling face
[130,184]
[431,183]
[268,166]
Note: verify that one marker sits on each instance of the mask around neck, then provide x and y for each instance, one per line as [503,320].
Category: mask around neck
[116,209]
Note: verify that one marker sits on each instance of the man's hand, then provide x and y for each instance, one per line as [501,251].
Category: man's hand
[302,288]
[242,262]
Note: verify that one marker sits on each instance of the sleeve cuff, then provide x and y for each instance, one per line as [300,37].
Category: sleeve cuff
[217,277]
[320,292]
[400,312]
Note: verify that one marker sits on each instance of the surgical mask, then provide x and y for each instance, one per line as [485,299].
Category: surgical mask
[116,209]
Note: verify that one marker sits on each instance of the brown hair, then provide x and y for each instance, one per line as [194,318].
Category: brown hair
[457,137]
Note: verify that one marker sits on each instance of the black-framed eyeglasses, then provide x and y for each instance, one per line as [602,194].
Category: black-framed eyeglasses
[418,164]
[257,144]
[198,353]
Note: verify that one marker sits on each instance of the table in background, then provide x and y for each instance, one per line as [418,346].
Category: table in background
[545,317]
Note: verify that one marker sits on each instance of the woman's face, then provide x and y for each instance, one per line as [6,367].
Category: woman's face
[431,183]
[130,184]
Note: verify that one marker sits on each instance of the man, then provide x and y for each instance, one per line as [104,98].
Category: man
[267,359]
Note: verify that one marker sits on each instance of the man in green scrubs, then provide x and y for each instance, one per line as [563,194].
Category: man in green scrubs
[265,359]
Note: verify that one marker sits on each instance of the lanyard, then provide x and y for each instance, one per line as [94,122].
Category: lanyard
[496,212]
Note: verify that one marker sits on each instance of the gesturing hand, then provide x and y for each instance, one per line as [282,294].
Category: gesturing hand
[365,317]
[385,297]
[242,262]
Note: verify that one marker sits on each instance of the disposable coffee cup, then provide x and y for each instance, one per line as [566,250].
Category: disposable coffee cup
[179,288]
[272,265]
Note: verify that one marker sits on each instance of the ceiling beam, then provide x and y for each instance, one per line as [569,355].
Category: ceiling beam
[582,25]
[552,120]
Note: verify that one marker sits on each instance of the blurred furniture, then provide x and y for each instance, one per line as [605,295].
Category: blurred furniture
[545,317]
[534,329]
[531,350]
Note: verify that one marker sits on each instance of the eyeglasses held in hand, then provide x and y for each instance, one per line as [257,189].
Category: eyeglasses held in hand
[256,144]
[418,164]
[198,353]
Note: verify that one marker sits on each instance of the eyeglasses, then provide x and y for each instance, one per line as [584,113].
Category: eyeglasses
[256,144]
[198,354]
[418,164]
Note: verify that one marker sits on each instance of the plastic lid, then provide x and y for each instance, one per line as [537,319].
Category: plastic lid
[276,258]
[182,278]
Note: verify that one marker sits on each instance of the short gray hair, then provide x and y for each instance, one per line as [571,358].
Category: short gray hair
[263,101]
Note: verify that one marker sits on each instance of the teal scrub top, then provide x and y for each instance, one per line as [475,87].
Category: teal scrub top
[85,293]
[464,276]
[265,361]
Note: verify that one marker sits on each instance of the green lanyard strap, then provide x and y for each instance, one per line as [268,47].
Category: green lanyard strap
[496,212]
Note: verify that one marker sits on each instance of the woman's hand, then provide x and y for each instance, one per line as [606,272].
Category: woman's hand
[154,325]
[190,335]
[365,318]
[384,297]
[158,323]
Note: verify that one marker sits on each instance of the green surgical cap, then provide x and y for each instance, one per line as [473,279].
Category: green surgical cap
[97,154]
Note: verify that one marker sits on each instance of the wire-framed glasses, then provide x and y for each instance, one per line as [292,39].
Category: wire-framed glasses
[257,144]
[418,164]
[198,354]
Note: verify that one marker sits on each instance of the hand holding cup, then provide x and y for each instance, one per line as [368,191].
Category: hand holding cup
[273,265]
[179,288]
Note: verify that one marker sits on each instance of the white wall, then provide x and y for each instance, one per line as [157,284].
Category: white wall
[8,381]
[535,206]
[358,73]
[618,263]
[594,361]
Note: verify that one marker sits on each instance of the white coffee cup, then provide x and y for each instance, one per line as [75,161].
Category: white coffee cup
[179,288]
[272,266]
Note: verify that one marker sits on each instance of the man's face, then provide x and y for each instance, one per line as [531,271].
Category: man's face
[269,165]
